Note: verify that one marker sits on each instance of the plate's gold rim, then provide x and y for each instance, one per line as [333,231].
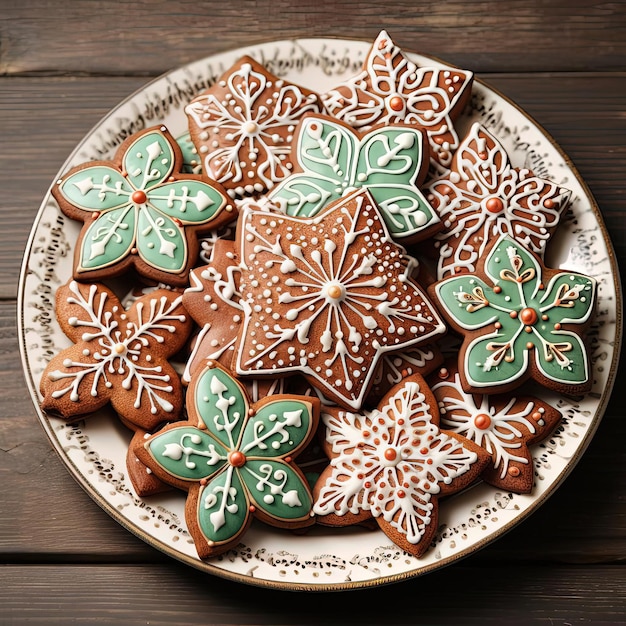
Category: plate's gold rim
[207,566]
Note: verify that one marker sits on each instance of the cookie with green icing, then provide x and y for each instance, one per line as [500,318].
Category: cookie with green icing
[140,211]
[519,320]
[235,458]
[331,160]
[392,464]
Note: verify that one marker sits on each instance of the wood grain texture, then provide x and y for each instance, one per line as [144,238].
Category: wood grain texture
[37,37]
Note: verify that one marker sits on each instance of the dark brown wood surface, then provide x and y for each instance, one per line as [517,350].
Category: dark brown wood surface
[63,65]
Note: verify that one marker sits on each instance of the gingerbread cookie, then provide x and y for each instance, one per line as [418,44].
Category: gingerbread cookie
[140,211]
[504,426]
[519,320]
[483,196]
[327,296]
[393,464]
[392,89]
[242,127]
[119,356]
[235,458]
[331,160]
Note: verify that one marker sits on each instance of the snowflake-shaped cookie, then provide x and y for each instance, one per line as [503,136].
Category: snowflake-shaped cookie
[504,426]
[242,127]
[119,356]
[392,89]
[235,459]
[332,160]
[483,197]
[327,296]
[139,210]
[393,464]
[519,320]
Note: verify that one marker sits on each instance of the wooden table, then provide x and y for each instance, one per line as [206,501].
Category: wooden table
[63,65]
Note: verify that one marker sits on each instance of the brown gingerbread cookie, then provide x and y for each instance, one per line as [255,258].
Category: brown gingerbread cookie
[243,124]
[393,464]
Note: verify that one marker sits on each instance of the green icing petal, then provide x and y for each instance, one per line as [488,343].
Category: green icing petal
[304,195]
[109,238]
[562,357]
[467,299]
[160,241]
[276,429]
[221,405]
[188,453]
[190,201]
[149,160]
[97,188]
[496,359]
[191,160]
[569,298]
[277,489]
[223,507]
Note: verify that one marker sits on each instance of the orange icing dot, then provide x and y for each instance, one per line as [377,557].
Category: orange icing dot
[482,421]
[390,454]
[494,205]
[529,316]
[514,471]
[396,103]
[237,458]
[139,197]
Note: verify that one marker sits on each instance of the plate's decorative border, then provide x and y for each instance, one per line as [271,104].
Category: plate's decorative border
[94,450]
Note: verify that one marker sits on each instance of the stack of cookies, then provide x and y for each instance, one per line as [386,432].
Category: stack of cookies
[357,295]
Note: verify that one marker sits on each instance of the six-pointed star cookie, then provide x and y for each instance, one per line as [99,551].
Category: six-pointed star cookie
[242,126]
[483,196]
[327,296]
[393,464]
[392,89]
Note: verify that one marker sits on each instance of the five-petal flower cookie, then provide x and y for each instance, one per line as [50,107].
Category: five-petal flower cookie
[327,296]
[331,160]
[119,356]
[482,196]
[139,210]
[235,458]
[392,89]
[504,425]
[242,127]
[519,320]
[393,464]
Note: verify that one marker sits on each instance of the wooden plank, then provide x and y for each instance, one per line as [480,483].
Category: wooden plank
[39,37]
[43,119]
[161,594]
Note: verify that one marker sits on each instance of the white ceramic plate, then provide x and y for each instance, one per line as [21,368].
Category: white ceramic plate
[323,559]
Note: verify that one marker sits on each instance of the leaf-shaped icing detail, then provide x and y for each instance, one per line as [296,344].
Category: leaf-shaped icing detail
[96,188]
[149,160]
[161,241]
[189,201]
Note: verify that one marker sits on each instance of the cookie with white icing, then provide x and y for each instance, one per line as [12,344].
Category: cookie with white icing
[119,357]
[331,160]
[393,464]
[519,320]
[483,196]
[505,426]
[235,458]
[392,89]
[327,297]
[140,211]
[243,124]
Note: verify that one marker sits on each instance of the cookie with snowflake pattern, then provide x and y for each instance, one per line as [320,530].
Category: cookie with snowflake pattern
[482,197]
[519,320]
[140,211]
[392,89]
[505,426]
[119,357]
[393,464]
[327,297]
[242,126]
[235,458]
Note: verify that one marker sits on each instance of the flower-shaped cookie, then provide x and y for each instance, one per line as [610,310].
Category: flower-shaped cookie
[235,459]
[393,464]
[392,89]
[483,197]
[139,210]
[504,426]
[327,296]
[119,356]
[333,160]
[519,319]
[242,126]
